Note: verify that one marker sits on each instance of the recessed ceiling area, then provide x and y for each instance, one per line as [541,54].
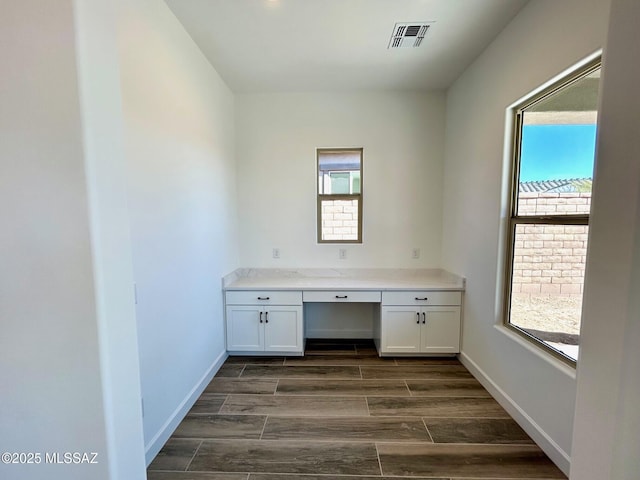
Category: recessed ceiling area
[267,46]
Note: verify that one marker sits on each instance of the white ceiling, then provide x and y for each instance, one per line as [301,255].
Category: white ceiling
[339,45]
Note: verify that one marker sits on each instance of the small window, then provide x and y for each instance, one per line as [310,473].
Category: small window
[553,159]
[340,195]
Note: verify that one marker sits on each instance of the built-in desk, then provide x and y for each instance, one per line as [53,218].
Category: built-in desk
[416,311]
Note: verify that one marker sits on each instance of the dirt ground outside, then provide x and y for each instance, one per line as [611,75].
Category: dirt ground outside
[555,314]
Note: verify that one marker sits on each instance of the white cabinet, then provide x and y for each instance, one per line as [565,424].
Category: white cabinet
[421,298]
[244,331]
[415,329]
[283,329]
[341,296]
[257,324]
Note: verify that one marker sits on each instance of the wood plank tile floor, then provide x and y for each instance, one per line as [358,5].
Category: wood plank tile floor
[341,412]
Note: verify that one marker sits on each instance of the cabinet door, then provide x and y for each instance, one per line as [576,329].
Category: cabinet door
[245,332]
[400,330]
[283,329]
[441,331]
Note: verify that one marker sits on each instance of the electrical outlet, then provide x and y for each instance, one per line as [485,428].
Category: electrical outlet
[415,253]
[342,254]
[276,253]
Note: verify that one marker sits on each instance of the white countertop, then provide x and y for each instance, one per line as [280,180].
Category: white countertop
[342,279]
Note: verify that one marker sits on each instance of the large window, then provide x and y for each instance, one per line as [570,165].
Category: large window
[340,195]
[553,157]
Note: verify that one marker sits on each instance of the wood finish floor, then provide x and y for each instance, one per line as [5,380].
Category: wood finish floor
[342,412]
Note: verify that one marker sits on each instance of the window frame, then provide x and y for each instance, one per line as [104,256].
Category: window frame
[514,219]
[342,196]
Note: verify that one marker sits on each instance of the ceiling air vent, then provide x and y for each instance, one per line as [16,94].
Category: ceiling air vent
[408,34]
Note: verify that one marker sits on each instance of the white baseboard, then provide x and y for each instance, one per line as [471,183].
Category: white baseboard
[160,438]
[344,333]
[546,443]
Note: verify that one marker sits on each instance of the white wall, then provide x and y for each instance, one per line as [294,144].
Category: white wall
[402,136]
[50,382]
[606,438]
[179,134]
[277,136]
[543,40]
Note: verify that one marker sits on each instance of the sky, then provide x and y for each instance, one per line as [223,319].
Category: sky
[556,152]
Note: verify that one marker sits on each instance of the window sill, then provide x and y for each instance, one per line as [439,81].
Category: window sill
[539,352]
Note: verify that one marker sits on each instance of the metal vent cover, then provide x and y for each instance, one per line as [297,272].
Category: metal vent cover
[408,34]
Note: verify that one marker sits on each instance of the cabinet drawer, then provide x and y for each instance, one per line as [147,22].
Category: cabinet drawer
[341,296]
[421,297]
[264,297]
